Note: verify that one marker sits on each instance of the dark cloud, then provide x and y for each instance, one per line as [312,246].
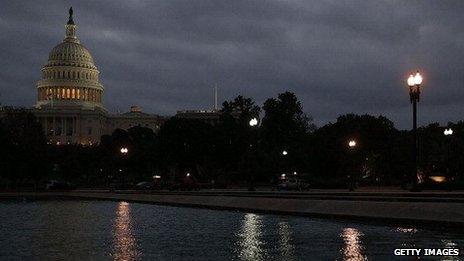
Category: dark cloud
[337,56]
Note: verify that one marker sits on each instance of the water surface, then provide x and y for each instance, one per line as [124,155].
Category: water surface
[101,230]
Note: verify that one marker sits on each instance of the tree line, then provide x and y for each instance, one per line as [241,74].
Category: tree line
[232,152]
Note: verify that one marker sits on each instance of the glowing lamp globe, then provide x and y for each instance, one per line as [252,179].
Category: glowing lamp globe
[448,132]
[411,81]
[352,143]
[417,78]
[253,122]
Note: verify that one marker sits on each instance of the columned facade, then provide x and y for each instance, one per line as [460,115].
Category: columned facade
[69,93]
[70,97]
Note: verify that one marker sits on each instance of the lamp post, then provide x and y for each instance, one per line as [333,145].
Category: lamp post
[351,179]
[414,83]
[448,134]
[124,151]
[253,124]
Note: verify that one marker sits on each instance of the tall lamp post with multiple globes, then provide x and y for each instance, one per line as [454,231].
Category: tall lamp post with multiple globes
[448,134]
[124,151]
[414,83]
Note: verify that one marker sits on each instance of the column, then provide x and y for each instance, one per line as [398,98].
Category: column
[63,126]
[73,126]
[53,132]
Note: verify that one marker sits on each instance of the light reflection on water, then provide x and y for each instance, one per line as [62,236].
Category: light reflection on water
[406,230]
[287,249]
[249,239]
[353,248]
[125,244]
[449,244]
[88,230]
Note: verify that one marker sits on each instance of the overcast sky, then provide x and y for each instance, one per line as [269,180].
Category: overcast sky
[337,56]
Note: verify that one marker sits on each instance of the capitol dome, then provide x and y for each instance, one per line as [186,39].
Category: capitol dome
[70,77]
[71,54]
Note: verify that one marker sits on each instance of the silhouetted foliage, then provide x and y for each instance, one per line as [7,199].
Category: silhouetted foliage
[375,139]
[23,158]
[230,151]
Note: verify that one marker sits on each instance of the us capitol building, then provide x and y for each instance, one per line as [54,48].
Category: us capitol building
[70,97]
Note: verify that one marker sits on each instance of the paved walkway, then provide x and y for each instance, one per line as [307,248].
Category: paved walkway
[436,208]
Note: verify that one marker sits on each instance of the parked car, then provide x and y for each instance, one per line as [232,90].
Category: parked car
[145,185]
[292,183]
[58,185]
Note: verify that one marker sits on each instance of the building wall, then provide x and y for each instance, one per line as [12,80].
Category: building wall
[72,126]
[68,126]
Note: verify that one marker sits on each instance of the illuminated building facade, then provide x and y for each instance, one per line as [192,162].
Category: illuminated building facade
[70,97]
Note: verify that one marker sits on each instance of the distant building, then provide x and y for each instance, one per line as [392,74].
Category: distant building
[135,117]
[209,116]
[70,97]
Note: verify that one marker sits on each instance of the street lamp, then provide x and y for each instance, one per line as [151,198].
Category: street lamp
[284,152]
[124,150]
[351,179]
[414,83]
[448,133]
[253,122]
[352,144]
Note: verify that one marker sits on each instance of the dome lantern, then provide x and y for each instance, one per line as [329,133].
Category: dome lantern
[71,29]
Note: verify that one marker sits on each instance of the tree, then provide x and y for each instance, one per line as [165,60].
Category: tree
[374,157]
[24,149]
[233,135]
[285,127]
[184,145]
[241,108]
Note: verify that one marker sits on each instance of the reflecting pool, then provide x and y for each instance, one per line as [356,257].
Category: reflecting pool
[101,230]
